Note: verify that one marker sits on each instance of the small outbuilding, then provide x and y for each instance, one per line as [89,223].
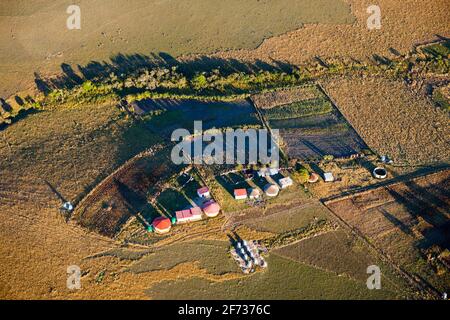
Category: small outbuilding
[189,215]
[263,172]
[328,177]
[313,178]
[240,194]
[162,225]
[285,182]
[254,193]
[273,171]
[380,173]
[203,192]
[271,190]
[211,209]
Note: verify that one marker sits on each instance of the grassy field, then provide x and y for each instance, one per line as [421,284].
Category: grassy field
[144,27]
[211,255]
[284,279]
[320,251]
[299,109]
[71,148]
[408,221]
[392,119]
[290,219]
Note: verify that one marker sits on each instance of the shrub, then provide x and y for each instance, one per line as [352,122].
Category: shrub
[301,174]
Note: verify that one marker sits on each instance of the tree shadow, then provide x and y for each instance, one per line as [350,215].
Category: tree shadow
[431,204]
[381,59]
[396,222]
[4,106]
[123,65]
[56,192]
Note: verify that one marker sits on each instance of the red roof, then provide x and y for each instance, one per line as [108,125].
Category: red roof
[211,208]
[179,214]
[162,223]
[196,211]
[183,214]
[203,190]
[240,192]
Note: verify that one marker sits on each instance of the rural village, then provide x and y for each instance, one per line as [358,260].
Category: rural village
[87,176]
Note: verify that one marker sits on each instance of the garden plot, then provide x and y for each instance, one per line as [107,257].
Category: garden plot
[125,194]
[310,126]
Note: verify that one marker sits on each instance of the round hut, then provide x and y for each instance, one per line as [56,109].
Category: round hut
[211,209]
[313,178]
[162,225]
[271,190]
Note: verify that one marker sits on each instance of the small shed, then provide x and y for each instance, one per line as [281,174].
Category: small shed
[328,177]
[162,225]
[240,194]
[271,190]
[285,182]
[263,172]
[203,192]
[273,171]
[254,193]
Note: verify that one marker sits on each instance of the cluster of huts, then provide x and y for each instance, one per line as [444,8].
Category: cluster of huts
[270,189]
[209,208]
[247,255]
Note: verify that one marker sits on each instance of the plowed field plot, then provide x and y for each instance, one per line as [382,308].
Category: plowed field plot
[310,126]
[175,114]
[404,221]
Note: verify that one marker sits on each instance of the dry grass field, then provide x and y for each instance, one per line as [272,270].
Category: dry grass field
[405,221]
[404,24]
[393,120]
[63,152]
[35,37]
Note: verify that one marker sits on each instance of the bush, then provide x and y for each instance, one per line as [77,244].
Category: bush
[301,174]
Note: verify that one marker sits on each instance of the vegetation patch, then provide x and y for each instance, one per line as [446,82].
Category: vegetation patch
[284,279]
[290,219]
[211,255]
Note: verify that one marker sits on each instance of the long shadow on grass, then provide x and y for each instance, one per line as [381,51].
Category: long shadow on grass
[130,64]
[430,204]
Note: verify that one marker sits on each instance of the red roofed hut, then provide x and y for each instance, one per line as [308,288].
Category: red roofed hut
[203,192]
[162,225]
[211,208]
[240,194]
[193,214]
